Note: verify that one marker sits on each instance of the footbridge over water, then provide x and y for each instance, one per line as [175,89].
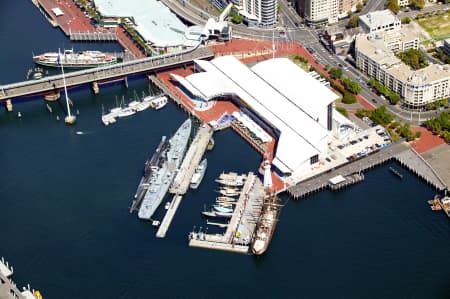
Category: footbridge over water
[119,71]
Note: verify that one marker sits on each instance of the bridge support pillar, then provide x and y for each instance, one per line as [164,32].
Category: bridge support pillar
[126,82]
[54,96]
[95,87]
[9,106]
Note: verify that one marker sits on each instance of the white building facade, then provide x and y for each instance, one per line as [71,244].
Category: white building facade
[380,21]
[263,12]
[375,57]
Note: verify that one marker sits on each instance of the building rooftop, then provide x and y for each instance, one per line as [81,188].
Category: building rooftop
[280,92]
[375,49]
[378,18]
[155,22]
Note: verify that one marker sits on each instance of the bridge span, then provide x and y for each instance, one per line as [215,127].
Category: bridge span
[119,71]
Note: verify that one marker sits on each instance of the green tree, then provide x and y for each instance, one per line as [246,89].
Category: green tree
[393,6]
[335,73]
[406,20]
[414,58]
[418,4]
[381,116]
[349,98]
[359,6]
[363,113]
[351,85]
[394,98]
[342,110]
[353,21]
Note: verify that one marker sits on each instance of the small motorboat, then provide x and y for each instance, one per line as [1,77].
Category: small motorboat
[220,208]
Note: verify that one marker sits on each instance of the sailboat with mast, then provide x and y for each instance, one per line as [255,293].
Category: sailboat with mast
[267,222]
[69,119]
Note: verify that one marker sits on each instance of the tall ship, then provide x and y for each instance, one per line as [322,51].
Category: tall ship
[266,225]
[71,59]
[152,164]
[267,222]
[161,176]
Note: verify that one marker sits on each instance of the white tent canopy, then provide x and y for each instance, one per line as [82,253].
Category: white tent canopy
[57,11]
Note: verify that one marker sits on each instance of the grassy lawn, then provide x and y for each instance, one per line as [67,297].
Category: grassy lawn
[436,26]
[207,6]
[300,61]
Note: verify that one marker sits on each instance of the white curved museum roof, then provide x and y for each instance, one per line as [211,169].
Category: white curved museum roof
[155,22]
[292,106]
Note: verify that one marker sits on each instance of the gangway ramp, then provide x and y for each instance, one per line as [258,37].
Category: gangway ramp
[192,159]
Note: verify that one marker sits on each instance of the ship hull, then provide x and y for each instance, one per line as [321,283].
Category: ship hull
[160,180]
[198,175]
[265,229]
[73,65]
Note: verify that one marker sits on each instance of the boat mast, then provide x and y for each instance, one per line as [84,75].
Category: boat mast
[64,82]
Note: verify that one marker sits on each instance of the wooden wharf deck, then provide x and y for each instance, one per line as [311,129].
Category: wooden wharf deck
[191,160]
[102,74]
[94,36]
[167,91]
[167,220]
[420,167]
[244,218]
[402,152]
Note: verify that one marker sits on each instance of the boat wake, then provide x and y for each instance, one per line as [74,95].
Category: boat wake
[83,132]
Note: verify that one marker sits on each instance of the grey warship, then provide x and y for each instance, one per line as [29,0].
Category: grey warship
[152,164]
[162,175]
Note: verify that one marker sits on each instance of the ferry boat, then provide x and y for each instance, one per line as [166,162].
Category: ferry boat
[198,174]
[158,102]
[69,58]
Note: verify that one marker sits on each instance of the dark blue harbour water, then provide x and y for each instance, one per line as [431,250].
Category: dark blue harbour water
[64,201]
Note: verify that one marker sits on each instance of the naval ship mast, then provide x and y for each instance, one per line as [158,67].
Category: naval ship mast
[69,119]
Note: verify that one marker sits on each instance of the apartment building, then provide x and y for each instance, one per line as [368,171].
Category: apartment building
[318,12]
[379,21]
[324,12]
[255,12]
[375,57]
